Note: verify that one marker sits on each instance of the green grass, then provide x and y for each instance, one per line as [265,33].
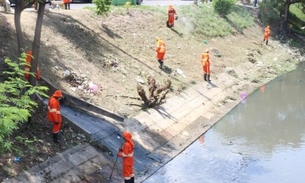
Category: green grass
[122,10]
[202,21]
[241,18]
[297,18]
[208,23]
[296,9]
[158,9]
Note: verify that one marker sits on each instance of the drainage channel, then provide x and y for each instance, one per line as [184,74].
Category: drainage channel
[102,127]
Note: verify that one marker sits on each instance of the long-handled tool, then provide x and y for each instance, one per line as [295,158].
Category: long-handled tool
[116,159]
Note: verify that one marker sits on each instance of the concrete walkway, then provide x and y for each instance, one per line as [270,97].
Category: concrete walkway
[159,134]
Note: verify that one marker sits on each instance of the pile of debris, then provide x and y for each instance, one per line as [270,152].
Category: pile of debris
[80,82]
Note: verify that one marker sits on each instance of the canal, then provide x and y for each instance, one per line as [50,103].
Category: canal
[261,140]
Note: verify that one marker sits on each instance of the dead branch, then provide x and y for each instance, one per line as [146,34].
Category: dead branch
[151,86]
[124,96]
[156,93]
[142,93]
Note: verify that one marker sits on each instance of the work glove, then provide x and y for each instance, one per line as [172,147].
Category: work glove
[56,123]
[61,100]
[176,18]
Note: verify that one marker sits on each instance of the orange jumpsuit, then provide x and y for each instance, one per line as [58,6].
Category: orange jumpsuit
[127,154]
[267,34]
[54,115]
[28,60]
[205,62]
[160,50]
[171,16]
[67,4]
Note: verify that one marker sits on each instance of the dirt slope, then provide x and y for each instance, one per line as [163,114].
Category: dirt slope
[114,52]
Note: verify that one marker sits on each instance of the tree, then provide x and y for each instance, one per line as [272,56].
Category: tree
[223,7]
[19,7]
[275,11]
[286,14]
[15,106]
[102,6]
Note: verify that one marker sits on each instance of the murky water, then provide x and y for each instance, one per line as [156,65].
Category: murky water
[262,140]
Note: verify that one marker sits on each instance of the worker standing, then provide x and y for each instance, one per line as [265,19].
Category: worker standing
[205,62]
[54,115]
[27,67]
[160,51]
[267,34]
[67,4]
[127,152]
[171,16]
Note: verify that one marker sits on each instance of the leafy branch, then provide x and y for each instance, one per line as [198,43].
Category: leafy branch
[15,102]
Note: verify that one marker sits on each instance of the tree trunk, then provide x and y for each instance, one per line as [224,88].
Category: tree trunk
[36,47]
[18,10]
[285,21]
[36,42]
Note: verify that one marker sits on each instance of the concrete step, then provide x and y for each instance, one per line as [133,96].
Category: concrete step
[72,165]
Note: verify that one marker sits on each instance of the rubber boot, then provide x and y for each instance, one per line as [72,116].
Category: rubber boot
[55,137]
[132,180]
[209,77]
[266,42]
[128,181]
[161,63]
[205,77]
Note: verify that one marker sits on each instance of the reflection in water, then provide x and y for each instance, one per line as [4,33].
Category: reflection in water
[261,140]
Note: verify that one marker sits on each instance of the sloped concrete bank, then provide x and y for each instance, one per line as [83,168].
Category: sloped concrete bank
[159,133]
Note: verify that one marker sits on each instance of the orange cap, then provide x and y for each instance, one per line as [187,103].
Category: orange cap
[57,93]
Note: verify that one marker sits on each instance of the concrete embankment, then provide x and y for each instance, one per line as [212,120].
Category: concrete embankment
[159,134]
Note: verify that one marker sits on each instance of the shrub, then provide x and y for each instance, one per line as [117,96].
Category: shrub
[223,7]
[15,102]
[102,6]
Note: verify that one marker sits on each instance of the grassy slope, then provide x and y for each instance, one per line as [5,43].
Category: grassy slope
[89,46]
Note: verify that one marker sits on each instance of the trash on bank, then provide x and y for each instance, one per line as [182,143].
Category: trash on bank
[93,87]
[179,71]
[243,95]
[17,159]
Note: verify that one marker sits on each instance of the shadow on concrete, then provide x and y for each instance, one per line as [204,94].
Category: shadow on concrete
[109,32]
[175,31]
[167,69]
[160,109]
[212,84]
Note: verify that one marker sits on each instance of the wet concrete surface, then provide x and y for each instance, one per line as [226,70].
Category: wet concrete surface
[260,140]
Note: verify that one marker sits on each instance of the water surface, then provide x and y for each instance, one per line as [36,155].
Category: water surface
[262,140]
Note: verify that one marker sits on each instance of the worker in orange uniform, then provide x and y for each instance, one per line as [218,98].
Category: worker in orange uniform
[126,152]
[171,16]
[205,62]
[67,4]
[54,115]
[267,34]
[160,52]
[27,67]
